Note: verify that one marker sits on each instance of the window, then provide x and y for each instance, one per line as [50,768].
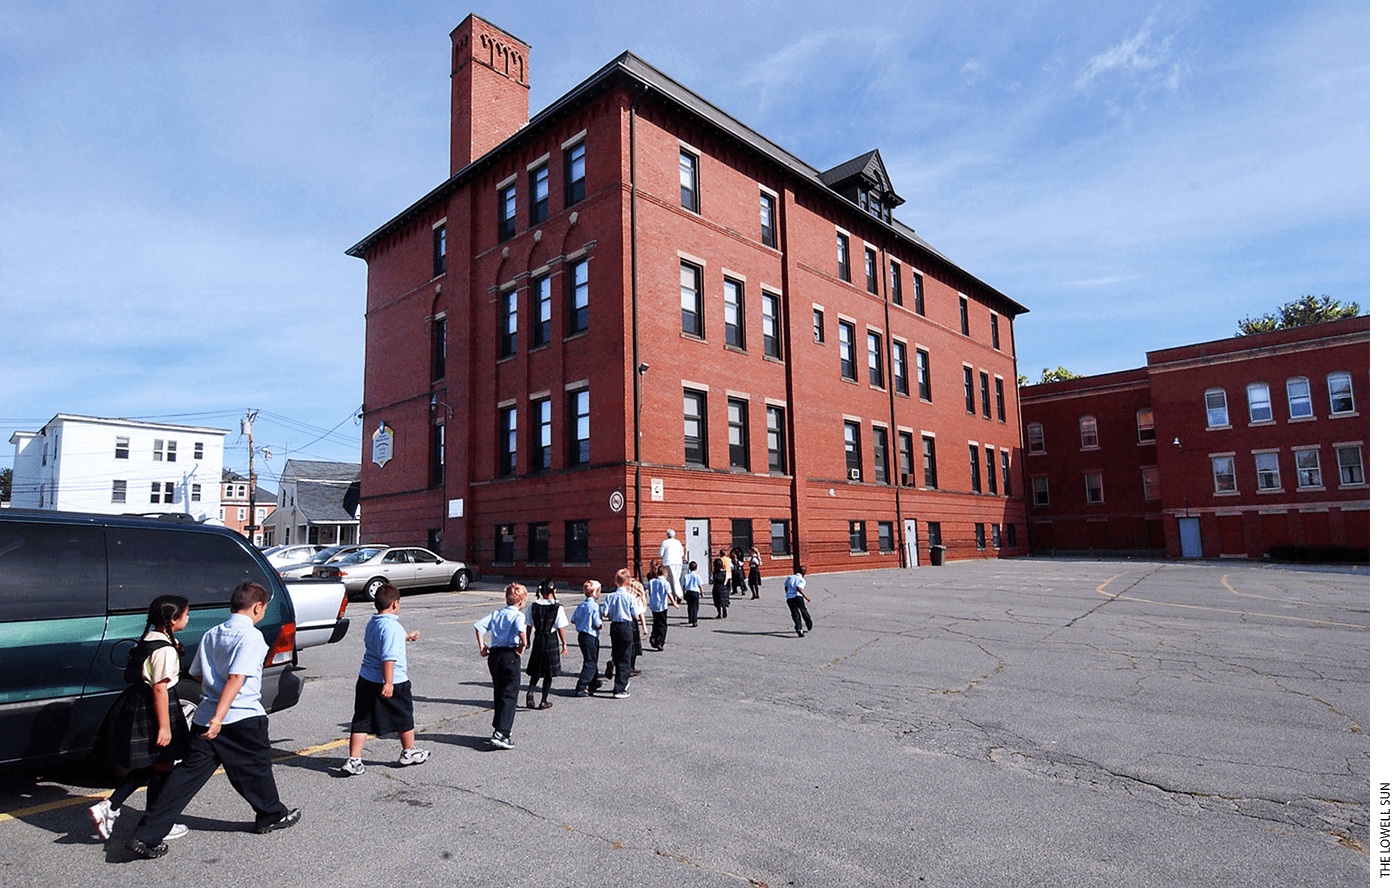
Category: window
[733,313]
[1299,398]
[1010,536]
[1151,483]
[1006,472]
[440,250]
[741,533]
[996,333]
[930,464]
[578,422]
[505,199]
[542,434]
[690,184]
[899,368]
[1223,468]
[1035,437]
[437,454]
[573,174]
[778,534]
[169,451]
[123,450]
[199,450]
[1001,399]
[538,543]
[857,534]
[777,441]
[935,533]
[896,291]
[170,492]
[540,310]
[846,338]
[843,257]
[906,458]
[696,446]
[872,278]
[1217,413]
[505,544]
[510,322]
[996,536]
[1146,431]
[1093,487]
[738,434]
[506,421]
[578,297]
[975,459]
[979,534]
[1339,392]
[921,373]
[118,491]
[576,542]
[197,494]
[885,532]
[242,513]
[228,492]
[991,470]
[852,431]
[692,300]
[1040,491]
[439,352]
[880,450]
[818,326]
[158,455]
[918,293]
[962,313]
[1261,409]
[539,194]
[969,399]
[875,359]
[1309,468]
[1266,471]
[1088,432]
[772,335]
[767,230]
[1349,465]
[986,396]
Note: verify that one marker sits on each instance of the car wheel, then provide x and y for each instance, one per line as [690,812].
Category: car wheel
[461,580]
[373,586]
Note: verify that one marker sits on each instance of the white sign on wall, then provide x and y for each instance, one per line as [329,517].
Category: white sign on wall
[657,493]
[454,508]
[381,445]
[615,501]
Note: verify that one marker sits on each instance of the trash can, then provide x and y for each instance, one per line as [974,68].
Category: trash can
[936,553]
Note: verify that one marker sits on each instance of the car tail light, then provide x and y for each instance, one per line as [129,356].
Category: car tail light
[344,602]
[284,646]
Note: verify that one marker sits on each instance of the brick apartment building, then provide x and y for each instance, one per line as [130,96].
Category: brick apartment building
[1224,448]
[631,313]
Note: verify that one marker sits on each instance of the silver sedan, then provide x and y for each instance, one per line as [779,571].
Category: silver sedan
[364,569]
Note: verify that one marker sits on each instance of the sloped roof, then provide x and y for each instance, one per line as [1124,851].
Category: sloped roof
[328,502]
[868,166]
[298,469]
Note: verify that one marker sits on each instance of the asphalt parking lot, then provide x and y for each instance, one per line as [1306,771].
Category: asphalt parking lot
[1037,722]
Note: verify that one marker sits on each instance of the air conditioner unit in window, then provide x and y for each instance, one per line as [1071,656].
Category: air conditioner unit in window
[853,474]
[906,480]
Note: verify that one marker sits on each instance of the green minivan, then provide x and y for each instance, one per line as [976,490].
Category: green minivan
[74,589]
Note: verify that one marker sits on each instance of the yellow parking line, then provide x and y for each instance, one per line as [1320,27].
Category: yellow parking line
[1223,610]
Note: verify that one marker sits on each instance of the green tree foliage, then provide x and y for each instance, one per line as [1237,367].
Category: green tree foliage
[6,475]
[1301,312]
[1048,375]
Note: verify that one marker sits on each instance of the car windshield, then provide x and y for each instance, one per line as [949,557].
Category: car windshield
[327,554]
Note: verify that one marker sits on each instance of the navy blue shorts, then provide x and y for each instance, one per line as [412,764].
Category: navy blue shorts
[378,716]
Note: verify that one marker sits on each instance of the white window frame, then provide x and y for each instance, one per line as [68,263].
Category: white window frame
[1298,455]
[1089,489]
[1262,470]
[1305,397]
[1333,393]
[1359,467]
[1260,404]
[1035,437]
[1092,428]
[1222,411]
[1218,463]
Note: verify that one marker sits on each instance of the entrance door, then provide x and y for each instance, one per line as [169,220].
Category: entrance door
[1190,531]
[911,542]
[697,547]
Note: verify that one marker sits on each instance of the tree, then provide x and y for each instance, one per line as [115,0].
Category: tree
[1048,375]
[1301,312]
[6,476]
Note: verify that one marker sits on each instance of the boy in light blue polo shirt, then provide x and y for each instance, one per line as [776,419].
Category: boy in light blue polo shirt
[500,638]
[659,597]
[622,608]
[588,619]
[383,693]
[690,584]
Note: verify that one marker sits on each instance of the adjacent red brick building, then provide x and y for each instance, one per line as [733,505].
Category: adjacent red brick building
[1225,448]
[631,313]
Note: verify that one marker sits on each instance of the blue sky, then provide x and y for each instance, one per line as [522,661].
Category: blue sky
[182,180]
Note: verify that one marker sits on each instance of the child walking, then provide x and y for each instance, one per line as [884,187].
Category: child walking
[658,598]
[500,638]
[623,610]
[796,588]
[690,583]
[719,589]
[588,620]
[755,578]
[144,733]
[547,623]
[383,693]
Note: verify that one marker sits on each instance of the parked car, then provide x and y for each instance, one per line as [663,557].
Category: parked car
[301,569]
[363,570]
[320,608]
[296,553]
[74,589]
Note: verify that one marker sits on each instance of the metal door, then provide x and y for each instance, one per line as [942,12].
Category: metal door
[1190,531]
[697,547]
[911,542]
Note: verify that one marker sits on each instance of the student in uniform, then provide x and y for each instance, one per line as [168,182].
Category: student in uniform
[796,588]
[620,607]
[588,619]
[500,638]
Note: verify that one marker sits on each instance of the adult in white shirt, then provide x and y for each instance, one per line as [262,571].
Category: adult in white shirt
[673,561]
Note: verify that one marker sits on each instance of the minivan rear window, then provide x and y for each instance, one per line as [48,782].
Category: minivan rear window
[51,571]
[203,567]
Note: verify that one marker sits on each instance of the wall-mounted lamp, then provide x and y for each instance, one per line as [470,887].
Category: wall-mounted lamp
[1176,442]
[643,368]
[433,403]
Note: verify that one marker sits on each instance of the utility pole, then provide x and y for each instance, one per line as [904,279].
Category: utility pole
[252,478]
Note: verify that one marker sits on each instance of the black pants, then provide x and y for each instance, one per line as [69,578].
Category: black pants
[243,749]
[692,606]
[621,653]
[588,676]
[504,664]
[798,605]
[658,629]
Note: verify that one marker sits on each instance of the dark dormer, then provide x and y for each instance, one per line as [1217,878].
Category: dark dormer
[864,182]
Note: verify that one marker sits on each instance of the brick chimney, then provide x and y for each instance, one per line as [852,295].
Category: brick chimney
[490,89]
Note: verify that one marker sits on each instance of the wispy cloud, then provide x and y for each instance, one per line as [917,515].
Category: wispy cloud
[1137,53]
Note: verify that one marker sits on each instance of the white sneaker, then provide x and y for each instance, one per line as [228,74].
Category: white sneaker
[103,817]
[415,755]
[176,832]
[353,767]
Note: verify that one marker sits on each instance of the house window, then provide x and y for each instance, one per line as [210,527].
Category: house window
[991,470]
[1309,467]
[885,535]
[1261,409]
[158,454]
[996,536]
[975,459]
[906,458]
[846,338]
[696,447]
[1040,491]
[872,279]
[1001,399]
[1093,487]
[510,322]
[228,492]
[578,422]
[738,434]
[986,396]
[539,194]
[733,313]
[918,293]
[540,310]
[880,450]
[1339,392]
[1299,398]
[1146,431]
[538,543]
[935,533]
[969,398]
[1151,483]
[1349,466]
[1010,536]
[198,450]
[507,424]
[778,535]
[123,450]
[440,250]
[896,291]
[576,542]
[856,530]
[874,353]
[573,174]
[843,257]
[437,454]
[1266,471]
[543,434]
[118,491]
[962,314]
[767,231]
[1223,469]
[505,198]
[1217,413]
[578,297]
[439,351]
[170,492]
[1035,437]
[777,441]
[921,372]
[169,451]
[692,307]
[1088,432]
[242,513]
[930,464]
[505,544]
[690,184]
[197,494]
[772,336]
[979,534]
[996,333]
[818,326]
[1006,472]
[899,368]
[852,432]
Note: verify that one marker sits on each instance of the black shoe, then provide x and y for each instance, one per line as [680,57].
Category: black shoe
[150,852]
[286,820]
